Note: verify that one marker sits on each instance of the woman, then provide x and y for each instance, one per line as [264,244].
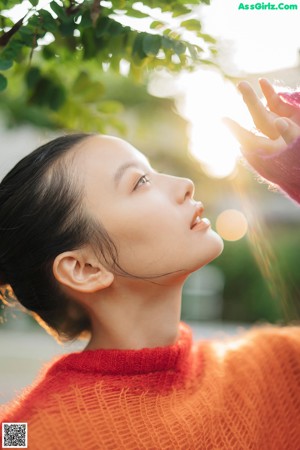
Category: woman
[94,241]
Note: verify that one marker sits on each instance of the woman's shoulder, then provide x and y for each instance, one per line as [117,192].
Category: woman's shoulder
[259,351]
[260,338]
[38,393]
[275,333]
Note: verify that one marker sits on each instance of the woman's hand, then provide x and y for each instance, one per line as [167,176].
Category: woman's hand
[279,123]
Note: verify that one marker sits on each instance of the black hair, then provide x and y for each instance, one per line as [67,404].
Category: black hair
[41,216]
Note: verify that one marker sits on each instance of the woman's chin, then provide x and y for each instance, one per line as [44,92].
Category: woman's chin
[220,244]
[214,250]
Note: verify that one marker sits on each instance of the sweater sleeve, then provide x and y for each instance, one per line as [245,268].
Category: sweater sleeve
[282,168]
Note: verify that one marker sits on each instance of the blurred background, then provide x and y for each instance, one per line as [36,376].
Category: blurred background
[162,78]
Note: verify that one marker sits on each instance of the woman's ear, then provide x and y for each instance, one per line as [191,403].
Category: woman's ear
[81,271]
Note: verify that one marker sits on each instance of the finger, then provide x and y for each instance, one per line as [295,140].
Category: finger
[288,129]
[249,141]
[274,102]
[263,119]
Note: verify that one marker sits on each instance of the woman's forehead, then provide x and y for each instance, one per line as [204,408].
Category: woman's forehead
[102,146]
[106,153]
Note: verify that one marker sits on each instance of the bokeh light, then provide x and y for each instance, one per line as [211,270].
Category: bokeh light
[232,225]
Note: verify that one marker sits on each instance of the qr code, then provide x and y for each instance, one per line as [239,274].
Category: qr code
[14,435]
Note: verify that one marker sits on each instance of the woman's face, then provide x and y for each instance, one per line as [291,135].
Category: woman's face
[148,215]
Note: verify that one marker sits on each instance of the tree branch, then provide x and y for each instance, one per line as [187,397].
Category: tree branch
[95,11]
[4,39]
[72,8]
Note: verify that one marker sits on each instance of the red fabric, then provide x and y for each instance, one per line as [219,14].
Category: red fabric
[293,98]
[240,393]
[129,362]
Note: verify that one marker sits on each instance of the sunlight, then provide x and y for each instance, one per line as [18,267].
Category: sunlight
[20,10]
[208,98]
[253,41]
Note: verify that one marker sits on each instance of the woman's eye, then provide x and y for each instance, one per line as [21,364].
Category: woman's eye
[143,180]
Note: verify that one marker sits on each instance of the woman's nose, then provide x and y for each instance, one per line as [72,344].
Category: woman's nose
[185,189]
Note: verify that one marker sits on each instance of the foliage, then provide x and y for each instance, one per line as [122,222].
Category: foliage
[53,59]
[249,296]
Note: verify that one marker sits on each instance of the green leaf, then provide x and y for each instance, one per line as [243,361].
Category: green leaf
[191,25]
[136,73]
[180,10]
[115,28]
[157,24]
[106,44]
[151,44]
[86,20]
[3,82]
[207,38]
[102,26]
[48,21]
[193,51]
[56,96]
[108,27]
[166,43]
[89,43]
[67,27]
[135,13]
[137,48]
[179,47]
[48,93]
[32,77]
[7,4]
[48,51]
[28,37]
[81,82]
[34,2]
[190,2]
[13,50]
[6,22]
[58,10]
[93,92]
[208,62]
[5,64]
[110,107]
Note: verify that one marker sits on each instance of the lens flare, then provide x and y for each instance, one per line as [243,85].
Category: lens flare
[231,225]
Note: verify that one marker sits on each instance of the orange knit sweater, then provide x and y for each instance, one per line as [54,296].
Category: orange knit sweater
[239,393]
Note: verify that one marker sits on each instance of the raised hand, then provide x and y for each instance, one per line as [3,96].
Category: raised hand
[276,104]
[279,131]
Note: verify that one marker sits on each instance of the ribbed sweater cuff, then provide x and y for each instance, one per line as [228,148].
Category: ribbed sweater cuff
[282,168]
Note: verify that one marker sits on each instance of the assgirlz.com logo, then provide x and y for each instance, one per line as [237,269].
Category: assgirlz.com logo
[267,6]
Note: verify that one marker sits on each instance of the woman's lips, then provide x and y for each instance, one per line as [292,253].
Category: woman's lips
[201,224]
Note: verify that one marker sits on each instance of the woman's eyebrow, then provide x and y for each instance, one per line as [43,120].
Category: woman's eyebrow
[122,169]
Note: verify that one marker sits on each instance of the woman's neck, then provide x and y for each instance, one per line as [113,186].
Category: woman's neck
[134,315]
